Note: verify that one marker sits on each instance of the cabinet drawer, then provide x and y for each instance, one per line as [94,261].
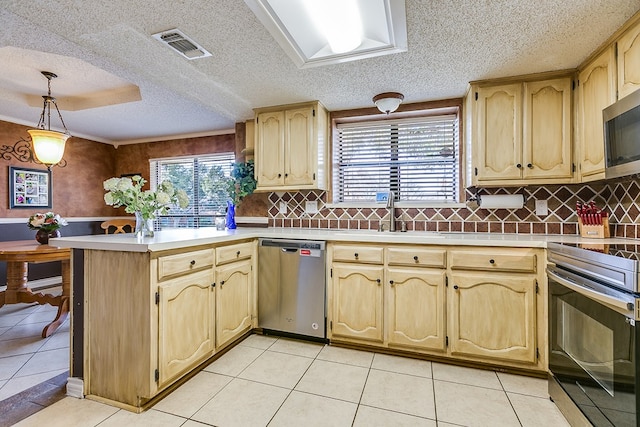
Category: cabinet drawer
[230,253]
[516,260]
[417,257]
[172,265]
[366,254]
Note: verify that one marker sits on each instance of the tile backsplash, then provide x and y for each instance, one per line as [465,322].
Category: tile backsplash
[620,198]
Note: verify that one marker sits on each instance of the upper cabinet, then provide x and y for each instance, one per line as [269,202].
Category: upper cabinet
[522,132]
[629,61]
[291,147]
[596,91]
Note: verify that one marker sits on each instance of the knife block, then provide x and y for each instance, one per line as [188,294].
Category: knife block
[594,231]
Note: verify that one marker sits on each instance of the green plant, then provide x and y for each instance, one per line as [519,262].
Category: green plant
[242,181]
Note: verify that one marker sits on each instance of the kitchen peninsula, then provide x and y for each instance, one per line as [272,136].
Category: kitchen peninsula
[175,300]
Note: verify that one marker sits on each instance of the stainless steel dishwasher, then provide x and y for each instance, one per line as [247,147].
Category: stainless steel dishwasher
[291,287]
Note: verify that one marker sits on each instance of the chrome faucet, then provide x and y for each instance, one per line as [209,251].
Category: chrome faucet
[392,211]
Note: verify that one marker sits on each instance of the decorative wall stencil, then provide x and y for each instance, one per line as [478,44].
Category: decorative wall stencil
[621,198]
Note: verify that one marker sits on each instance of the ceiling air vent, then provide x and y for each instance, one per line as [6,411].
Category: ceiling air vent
[182,44]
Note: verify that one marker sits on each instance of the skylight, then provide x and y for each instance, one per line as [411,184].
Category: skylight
[306,30]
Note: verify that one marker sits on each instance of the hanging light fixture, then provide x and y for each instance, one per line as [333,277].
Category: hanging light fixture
[388,102]
[48,145]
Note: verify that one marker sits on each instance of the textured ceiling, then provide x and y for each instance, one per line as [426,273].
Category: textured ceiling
[449,44]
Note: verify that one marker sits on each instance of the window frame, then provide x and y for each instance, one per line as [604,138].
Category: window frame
[195,218]
[405,111]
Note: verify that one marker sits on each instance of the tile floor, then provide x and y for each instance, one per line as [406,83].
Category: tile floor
[279,382]
[26,359]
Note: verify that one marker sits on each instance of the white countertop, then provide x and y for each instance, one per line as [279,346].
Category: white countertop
[186,237]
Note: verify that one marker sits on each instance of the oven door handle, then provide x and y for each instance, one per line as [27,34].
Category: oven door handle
[621,306]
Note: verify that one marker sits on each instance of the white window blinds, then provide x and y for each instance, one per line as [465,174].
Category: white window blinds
[203,179]
[417,159]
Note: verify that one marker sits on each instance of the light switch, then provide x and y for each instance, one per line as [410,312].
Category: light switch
[542,208]
[283,208]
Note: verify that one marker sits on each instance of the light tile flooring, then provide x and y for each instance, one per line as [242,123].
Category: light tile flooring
[280,382]
[26,359]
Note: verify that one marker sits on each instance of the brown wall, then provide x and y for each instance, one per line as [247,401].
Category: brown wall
[77,188]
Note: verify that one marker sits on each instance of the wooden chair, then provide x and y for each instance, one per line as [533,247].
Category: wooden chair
[119,225]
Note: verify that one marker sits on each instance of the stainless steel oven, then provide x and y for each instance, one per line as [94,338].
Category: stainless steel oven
[593,340]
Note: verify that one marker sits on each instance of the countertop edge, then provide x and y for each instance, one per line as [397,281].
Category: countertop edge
[184,238]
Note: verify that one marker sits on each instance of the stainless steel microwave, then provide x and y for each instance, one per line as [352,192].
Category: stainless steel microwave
[622,136]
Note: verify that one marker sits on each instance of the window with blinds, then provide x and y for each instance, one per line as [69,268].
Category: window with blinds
[203,179]
[417,159]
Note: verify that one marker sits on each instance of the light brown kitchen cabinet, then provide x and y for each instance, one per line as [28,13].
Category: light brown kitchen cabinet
[186,332]
[522,132]
[358,301]
[165,313]
[416,309]
[596,91]
[494,304]
[629,61]
[493,316]
[233,301]
[291,144]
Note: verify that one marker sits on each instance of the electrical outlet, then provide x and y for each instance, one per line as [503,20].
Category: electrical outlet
[283,208]
[311,207]
[541,208]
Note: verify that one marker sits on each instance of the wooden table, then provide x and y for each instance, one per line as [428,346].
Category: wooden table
[18,255]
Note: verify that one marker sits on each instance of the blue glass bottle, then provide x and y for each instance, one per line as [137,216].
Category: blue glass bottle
[230,218]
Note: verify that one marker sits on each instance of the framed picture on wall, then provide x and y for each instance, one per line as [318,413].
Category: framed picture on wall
[29,188]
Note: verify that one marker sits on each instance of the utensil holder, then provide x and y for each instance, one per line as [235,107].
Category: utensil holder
[600,231]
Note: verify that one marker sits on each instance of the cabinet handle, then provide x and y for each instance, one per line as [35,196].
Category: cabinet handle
[213,285]
[529,165]
[279,175]
[391,282]
[455,287]
[193,262]
[286,175]
[238,253]
[519,166]
[356,255]
[221,283]
[492,261]
[415,258]
[378,281]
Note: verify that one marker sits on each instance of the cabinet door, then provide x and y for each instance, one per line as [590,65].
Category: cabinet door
[186,315]
[493,316]
[270,149]
[300,148]
[416,308]
[233,302]
[629,61]
[596,91]
[357,301]
[546,145]
[499,127]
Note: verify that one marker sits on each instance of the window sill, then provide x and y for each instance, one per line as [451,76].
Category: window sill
[399,205]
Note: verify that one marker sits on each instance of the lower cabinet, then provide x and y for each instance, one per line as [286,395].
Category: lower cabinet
[493,316]
[186,333]
[416,301]
[358,301]
[233,301]
[479,304]
[151,318]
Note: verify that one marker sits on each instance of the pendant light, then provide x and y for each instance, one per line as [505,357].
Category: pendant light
[48,145]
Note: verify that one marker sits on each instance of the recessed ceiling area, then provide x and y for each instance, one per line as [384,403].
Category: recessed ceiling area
[315,33]
[448,44]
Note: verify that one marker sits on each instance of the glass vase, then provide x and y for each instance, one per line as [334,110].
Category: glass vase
[144,227]
[230,218]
